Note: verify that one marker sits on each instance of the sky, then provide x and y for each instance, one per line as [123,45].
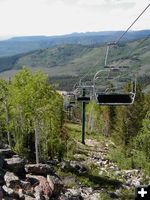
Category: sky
[59,17]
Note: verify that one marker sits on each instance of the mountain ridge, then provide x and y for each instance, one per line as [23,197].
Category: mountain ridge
[65,63]
[17,45]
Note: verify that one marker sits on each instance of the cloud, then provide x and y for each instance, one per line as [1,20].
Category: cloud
[51,17]
[108,4]
[65,2]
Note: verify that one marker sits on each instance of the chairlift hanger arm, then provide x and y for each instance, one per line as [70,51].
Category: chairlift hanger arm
[95,76]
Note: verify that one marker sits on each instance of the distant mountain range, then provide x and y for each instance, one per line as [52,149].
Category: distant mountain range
[65,63]
[18,45]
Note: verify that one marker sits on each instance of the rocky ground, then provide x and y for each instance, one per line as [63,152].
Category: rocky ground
[90,175]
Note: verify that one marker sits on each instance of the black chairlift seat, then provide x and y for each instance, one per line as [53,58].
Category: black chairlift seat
[115,98]
[72,102]
[84,99]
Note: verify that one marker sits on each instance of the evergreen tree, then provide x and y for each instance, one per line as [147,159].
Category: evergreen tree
[143,139]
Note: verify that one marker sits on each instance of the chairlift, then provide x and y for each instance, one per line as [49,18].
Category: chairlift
[69,100]
[87,87]
[112,94]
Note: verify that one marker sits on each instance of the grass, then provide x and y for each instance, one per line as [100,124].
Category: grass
[91,178]
[130,160]
[74,130]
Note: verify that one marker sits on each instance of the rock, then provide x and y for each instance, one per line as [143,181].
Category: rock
[6,153]
[126,187]
[72,194]
[78,167]
[105,162]
[11,180]
[85,192]
[27,197]
[113,195]
[53,162]
[32,179]
[117,173]
[128,182]
[1,192]
[101,173]
[135,182]
[2,173]
[132,172]
[39,169]
[1,162]
[112,167]
[94,196]
[69,181]
[38,193]
[42,186]
[65,165]
[10,192]
[26,185]
[21,194]
[1,181]
[55,183]
[73,166]
[15,164]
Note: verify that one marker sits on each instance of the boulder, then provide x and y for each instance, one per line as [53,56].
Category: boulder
[2,173]
[6,153]
[25,185]
[1,162]
[41,187]
[135,182]
[27,197]
[21,194]
[11,180]
[1,192]
[73,166]
[86,192]
[113,195]
[69,181]
[72,194]
[55,183]
[39,169]
[10,192]
[15,164]
[78,167]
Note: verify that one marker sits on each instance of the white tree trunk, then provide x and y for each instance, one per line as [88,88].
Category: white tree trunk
[36,129]
[7,122]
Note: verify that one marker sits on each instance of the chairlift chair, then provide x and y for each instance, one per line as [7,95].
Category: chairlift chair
[113,95]
[70,99]
[83,85]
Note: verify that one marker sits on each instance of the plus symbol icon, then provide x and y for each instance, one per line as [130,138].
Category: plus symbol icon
[142,192]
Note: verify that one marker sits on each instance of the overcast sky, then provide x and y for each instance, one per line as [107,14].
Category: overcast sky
[57,17]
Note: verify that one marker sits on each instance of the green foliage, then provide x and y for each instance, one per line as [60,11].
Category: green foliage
[129,120]
[95,121]
[34,113]
[120,156]
[143,138]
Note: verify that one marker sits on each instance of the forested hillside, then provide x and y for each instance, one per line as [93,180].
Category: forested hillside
[19,45]
[66,63]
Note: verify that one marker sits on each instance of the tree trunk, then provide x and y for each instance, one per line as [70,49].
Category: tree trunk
[36,129]
[7,122]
